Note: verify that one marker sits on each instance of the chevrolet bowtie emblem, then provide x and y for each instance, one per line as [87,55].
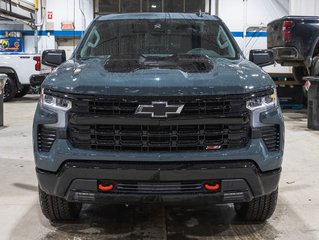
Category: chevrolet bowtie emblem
[159,109]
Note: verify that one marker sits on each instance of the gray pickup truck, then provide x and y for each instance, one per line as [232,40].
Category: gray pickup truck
[159,107]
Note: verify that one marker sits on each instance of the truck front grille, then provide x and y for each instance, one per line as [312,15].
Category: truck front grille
[158,138]
[205,123]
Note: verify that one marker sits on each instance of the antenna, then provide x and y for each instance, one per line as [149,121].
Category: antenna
[200,13]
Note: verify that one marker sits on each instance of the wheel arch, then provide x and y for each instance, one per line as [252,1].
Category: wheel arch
[314,50]
[315,47]
[10,71]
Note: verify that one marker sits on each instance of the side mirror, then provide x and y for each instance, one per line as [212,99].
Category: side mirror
[262,58]
[53,58]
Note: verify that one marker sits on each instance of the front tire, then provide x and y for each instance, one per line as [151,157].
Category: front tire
[10,89]
[299,73]
[57,209]
[259,209]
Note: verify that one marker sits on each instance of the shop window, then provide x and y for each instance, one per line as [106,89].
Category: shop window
[194,6]
[130,6]
[174,6]
[152,6]
[107,6]
[103,7]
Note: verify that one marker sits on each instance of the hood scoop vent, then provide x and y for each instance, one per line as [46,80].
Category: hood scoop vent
[187,63]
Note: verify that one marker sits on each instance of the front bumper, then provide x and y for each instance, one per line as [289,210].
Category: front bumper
[287,53]
[62,151]
[37,79]
[240,181]
[243,173]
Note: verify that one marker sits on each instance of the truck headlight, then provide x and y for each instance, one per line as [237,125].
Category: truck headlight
[53,102]
[265,102]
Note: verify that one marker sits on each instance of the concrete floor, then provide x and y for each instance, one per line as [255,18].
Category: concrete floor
[296,217]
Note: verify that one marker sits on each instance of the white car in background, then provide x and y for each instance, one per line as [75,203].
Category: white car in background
[20,68]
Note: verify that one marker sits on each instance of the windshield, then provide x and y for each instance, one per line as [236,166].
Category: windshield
[157,37]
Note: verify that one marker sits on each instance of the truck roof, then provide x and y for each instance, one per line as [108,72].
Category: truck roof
[190,16]
[294,17]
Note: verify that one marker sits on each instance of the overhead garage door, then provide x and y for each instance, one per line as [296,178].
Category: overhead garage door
[103,7]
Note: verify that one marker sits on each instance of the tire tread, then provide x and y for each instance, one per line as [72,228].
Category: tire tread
[58,209]
[259,209]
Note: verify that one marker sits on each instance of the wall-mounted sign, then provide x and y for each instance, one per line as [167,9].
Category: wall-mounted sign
[11,44]
[50,15]
[67,25]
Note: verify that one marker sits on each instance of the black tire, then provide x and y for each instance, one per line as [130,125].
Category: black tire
[10,89]
[299,73]
[259,209]
[314,71]
[58,209]
[24,91]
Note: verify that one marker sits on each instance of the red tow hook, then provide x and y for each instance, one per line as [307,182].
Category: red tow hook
[212,187]
[105,188]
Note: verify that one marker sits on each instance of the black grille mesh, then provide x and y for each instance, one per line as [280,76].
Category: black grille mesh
[192,106]
[158,138]
[271,137]
[143,136]
[46,138]
[159,188]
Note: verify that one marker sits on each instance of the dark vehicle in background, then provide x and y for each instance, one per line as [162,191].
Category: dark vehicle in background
[295,42]
[158,107]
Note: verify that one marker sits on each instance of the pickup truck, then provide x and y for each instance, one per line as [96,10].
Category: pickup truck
[295,42]
[20,68]
[158,107]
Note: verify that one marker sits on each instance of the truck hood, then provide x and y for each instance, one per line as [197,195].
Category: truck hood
[90,77]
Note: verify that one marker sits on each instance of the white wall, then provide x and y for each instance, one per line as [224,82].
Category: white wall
[259,13]
[304,7]
[252,16]
[69,10]
[63,11]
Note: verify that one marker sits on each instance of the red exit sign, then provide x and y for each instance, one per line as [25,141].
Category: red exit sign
[50,15]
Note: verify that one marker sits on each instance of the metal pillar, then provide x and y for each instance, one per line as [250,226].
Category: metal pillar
[217,7]
[313,102]
[3,79]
